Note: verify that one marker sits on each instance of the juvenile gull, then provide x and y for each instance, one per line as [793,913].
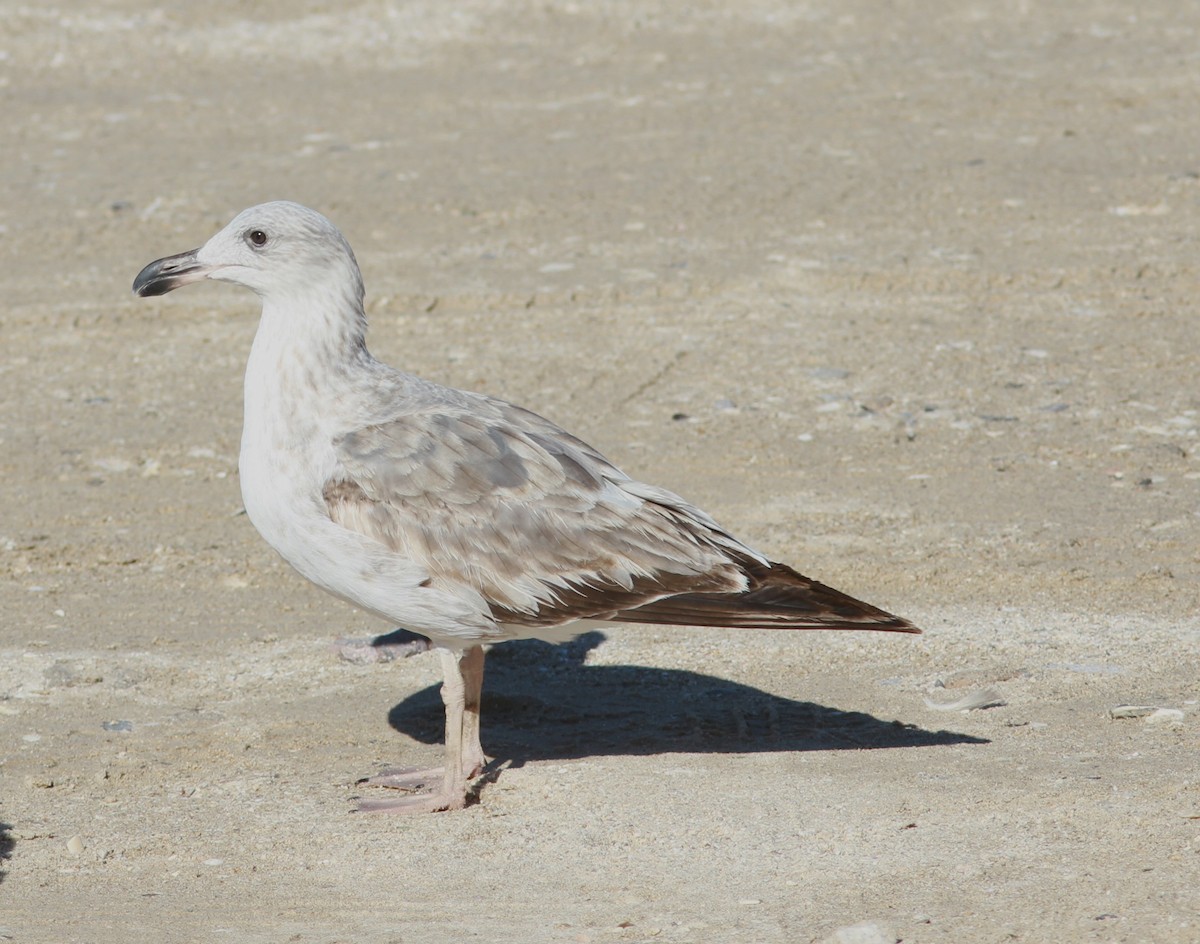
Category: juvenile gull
[457,515]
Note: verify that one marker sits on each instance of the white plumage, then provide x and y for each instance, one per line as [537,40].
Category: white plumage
[459,516]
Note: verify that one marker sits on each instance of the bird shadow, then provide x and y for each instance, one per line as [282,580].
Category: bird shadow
[7,843]
[543,702]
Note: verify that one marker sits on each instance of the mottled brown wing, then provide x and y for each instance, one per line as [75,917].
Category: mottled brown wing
[541,525]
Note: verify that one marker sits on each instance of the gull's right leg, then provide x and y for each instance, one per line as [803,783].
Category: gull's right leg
[463,758]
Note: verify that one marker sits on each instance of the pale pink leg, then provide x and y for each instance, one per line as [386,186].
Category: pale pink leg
[464,755]
[474,759]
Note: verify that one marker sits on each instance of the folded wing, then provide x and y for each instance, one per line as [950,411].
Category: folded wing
[546,530]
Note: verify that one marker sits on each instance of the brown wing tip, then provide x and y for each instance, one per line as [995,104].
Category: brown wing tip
[856,613]
[841,611]
[777,598]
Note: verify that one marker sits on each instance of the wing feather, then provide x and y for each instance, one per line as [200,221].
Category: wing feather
[536,521]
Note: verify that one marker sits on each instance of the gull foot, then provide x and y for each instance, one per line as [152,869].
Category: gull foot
[407,778]
[417,778]
[417,803]
[427,788]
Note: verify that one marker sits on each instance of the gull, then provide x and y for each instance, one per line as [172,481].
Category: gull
[460,516]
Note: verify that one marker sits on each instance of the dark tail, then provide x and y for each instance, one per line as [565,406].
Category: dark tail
[777,598]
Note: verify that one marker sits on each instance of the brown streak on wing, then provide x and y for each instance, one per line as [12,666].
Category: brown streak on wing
[777,598]
[606,601]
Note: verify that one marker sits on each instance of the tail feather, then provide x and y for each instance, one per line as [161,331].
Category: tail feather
[777,598]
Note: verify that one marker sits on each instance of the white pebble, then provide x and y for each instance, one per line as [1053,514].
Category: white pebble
[867,932]
[1165,716]
[971,701]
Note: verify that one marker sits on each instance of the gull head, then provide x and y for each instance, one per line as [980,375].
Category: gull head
[277,249]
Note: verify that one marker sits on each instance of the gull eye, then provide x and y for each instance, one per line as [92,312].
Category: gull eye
[256,238]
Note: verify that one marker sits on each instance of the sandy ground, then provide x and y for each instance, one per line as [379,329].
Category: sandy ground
[905,300]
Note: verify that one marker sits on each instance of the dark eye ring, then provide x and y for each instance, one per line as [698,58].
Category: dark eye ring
[256,238]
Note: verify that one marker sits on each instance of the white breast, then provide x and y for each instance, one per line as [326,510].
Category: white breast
[284,464]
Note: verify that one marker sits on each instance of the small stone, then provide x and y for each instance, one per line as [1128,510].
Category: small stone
[75,845]
[398,644]
[1130,711]
[1165,716]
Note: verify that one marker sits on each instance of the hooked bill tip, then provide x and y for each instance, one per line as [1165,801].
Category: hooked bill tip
[164,275]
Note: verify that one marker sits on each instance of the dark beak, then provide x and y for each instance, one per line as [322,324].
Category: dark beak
[163,275]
